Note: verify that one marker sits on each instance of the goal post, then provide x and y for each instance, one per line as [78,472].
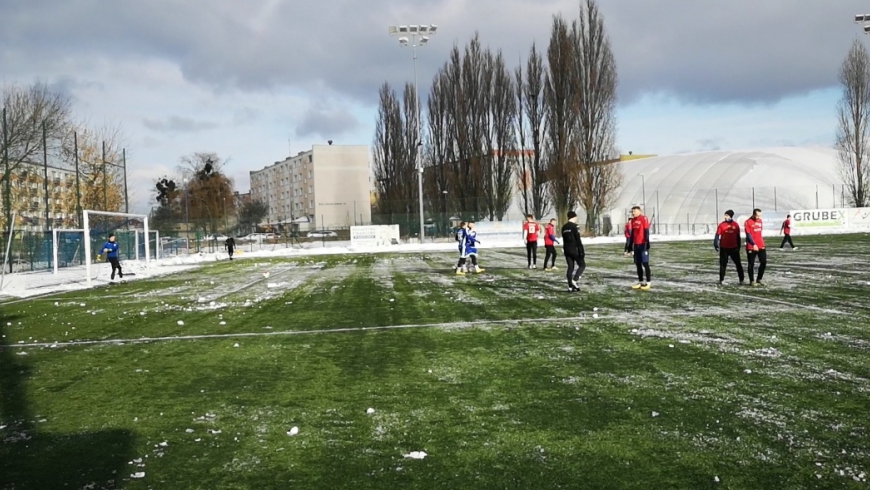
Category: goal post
[55,244]
[86,222]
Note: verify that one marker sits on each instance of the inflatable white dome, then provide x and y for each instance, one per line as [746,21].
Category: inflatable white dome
[691,190]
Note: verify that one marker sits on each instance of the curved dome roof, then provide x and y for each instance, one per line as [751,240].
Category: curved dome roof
[699,187]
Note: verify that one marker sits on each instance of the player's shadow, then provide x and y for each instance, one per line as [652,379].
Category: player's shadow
[31,459]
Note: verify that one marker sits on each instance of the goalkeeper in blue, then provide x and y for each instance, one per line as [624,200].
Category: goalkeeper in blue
[471,242]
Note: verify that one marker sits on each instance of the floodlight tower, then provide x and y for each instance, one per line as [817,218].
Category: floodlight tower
[865,18]
[415,35]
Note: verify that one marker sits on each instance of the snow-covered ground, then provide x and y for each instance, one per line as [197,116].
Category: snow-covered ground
[28,284]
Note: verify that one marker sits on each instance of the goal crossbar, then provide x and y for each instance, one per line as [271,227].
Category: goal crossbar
[86,221]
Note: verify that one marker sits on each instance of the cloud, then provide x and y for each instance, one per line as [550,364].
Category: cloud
[710,144]
[177,124]
[741,51]
[326,123]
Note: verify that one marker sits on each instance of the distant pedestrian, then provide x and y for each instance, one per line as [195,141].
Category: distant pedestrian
[550,242]
[786,230]
[110,248]
[230,245]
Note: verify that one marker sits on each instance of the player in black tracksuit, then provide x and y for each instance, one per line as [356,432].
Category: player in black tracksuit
[230,245]
[572,247]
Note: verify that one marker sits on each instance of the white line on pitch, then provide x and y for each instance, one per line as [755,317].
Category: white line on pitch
[295,332]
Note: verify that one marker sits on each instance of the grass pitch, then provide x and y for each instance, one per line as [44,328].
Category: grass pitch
[503,379]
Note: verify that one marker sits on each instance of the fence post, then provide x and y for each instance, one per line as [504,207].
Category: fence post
[834,195]
[817,196]
[753,198]
[717,203]
[774,198]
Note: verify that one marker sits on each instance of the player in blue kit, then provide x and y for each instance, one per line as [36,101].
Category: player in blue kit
[461,237]
[471,242]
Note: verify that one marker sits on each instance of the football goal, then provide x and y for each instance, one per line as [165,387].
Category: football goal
[98,225]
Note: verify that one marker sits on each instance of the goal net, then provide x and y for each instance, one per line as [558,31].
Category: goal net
[136,243]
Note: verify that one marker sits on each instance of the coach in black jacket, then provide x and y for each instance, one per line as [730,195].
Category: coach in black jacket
[572,246]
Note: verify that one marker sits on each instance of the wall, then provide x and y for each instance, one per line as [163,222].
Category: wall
[342,187]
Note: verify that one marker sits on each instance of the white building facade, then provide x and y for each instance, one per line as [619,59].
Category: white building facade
[322,188]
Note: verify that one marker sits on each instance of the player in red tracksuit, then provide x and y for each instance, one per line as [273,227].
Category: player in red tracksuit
[755,246]
[727,243]
[627,249]
[530,237]
[640,242]
[786,230]
[550,242]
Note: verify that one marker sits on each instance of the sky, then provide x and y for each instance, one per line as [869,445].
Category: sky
[258,80]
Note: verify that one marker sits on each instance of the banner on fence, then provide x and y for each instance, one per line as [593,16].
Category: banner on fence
[374,236]
[834,219]
[859,218]
[500,229]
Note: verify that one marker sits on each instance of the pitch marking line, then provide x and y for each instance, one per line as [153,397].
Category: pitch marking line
[295,332]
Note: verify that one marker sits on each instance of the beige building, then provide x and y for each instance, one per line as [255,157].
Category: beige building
[322,188]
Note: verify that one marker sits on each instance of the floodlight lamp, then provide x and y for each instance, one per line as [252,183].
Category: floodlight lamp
[867,29]
[424,29]
[394,30]
[432,28]
[403,41]
[424,40]
[414,29]
[403,29]
[859,18]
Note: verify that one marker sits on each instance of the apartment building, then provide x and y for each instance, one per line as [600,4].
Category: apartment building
[325,187]
[28,185]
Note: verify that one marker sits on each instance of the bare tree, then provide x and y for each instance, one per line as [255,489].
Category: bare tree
[853,130]
[530,106]
[502,153]
[560,98]
[27,110]
[596,79]
[440,146]
[393,153]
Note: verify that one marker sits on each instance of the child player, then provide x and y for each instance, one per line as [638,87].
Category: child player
[471,247]
[727,243]
[461,235]
[530,238]
[550,242]
[111,250]
[640,243]
[628,248]
[755,246]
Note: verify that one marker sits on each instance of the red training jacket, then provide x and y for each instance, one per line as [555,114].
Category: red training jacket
[532,229]
[551,231]
[786,226]
[729,234]
[639,226]
[753,228]
[628,229]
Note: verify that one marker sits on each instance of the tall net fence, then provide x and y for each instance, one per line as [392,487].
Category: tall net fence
[33,251]
[672,211]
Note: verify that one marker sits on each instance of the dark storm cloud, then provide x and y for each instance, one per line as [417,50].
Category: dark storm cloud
[326,123]
[741,51]
[176,124]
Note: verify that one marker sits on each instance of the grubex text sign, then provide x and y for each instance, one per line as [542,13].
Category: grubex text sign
[819,218]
